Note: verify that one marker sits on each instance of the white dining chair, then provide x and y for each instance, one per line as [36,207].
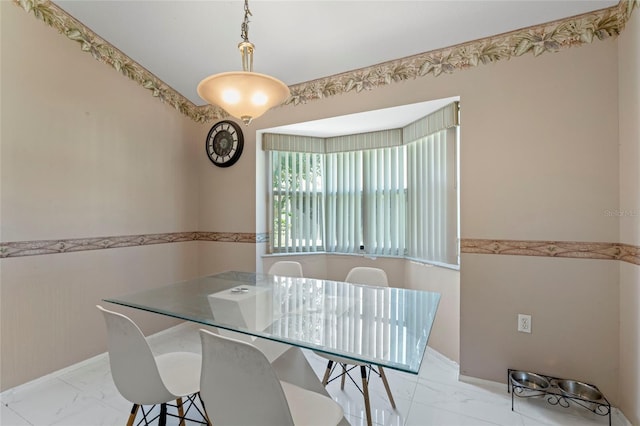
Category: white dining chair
[287,268]
[144,379]
[239,387]
[373,277]
[270,348]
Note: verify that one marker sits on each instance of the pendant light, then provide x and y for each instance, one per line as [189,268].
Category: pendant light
[244,94]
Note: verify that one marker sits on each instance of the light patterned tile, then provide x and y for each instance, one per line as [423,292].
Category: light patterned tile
[536,411]
[86,395]
[421,415]
[50,401]
[8,417]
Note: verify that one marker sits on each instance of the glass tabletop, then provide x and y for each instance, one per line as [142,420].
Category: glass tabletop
[384,326]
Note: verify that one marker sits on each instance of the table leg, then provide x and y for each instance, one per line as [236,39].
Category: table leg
[365,393]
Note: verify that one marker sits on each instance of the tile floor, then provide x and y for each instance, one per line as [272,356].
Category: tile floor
[84,395]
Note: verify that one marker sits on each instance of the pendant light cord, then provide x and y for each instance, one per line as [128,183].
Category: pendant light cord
[244,28]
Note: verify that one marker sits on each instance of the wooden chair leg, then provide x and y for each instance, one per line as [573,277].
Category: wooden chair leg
[204,411]
[365,393]
[386,386]
[327,373]
[344,375]
[132,416]
[180,411]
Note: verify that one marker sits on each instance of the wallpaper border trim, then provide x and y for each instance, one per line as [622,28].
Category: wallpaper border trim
[568,249]
[535,40]
[40,247]
[565,249]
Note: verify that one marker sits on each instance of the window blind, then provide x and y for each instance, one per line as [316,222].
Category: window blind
[432,198]
[394,192]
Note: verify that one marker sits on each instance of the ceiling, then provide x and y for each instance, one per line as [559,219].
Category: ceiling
[181,41]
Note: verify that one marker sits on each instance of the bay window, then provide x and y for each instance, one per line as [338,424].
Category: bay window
[391,192]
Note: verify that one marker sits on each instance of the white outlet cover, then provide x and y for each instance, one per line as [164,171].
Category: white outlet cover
[524,323]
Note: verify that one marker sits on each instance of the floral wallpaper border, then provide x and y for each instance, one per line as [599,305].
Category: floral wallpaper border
[566,249]
[535,40]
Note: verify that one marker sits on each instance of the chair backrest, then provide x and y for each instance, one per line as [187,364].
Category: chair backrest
[133,366]
[367,275]
[286,268]
[238,385]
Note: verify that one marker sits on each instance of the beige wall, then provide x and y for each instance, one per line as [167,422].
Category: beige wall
[85,153]
[540,162]
[629,111]
[445,335]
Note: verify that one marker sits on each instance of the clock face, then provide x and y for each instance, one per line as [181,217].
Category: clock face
[224,143]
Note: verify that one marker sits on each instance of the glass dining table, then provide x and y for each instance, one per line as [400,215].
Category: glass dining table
[382,326]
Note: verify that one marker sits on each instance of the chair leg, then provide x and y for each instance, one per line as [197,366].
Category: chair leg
[180,411]
[163,415]
[365,393]
[132,416]
[386,386]
[344,375]
[204,409]
[327,373]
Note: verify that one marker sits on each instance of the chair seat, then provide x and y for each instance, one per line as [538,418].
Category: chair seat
[180,372]
[146,379]
[310,408]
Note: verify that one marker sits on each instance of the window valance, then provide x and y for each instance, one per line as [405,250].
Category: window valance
[292,143]
[441,119]
[444,118]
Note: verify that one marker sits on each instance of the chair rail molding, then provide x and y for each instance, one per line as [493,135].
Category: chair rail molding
[559,249]
[71,245]
[565,249]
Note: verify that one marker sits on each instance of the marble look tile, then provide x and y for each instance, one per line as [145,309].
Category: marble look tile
[95,381]
[86,395]
[536,411]
[421,415]
[8,417]
[465,398]
[51,401]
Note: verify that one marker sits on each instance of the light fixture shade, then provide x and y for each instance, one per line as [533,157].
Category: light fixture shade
[243,94]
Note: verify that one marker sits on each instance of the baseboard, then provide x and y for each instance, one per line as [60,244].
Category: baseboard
[442,357]
[482,382]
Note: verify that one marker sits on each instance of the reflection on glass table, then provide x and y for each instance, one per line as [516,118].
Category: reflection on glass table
[378,325]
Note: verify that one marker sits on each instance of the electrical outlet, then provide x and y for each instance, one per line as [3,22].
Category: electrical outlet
[524,323]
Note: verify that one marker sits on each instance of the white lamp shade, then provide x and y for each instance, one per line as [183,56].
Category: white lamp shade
[243,94]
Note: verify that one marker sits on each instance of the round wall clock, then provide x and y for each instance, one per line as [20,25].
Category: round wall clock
[224,143]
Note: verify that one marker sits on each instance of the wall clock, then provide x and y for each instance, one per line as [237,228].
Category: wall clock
[224,143]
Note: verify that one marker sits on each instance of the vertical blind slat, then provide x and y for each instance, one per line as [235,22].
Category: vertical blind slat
[396,200]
